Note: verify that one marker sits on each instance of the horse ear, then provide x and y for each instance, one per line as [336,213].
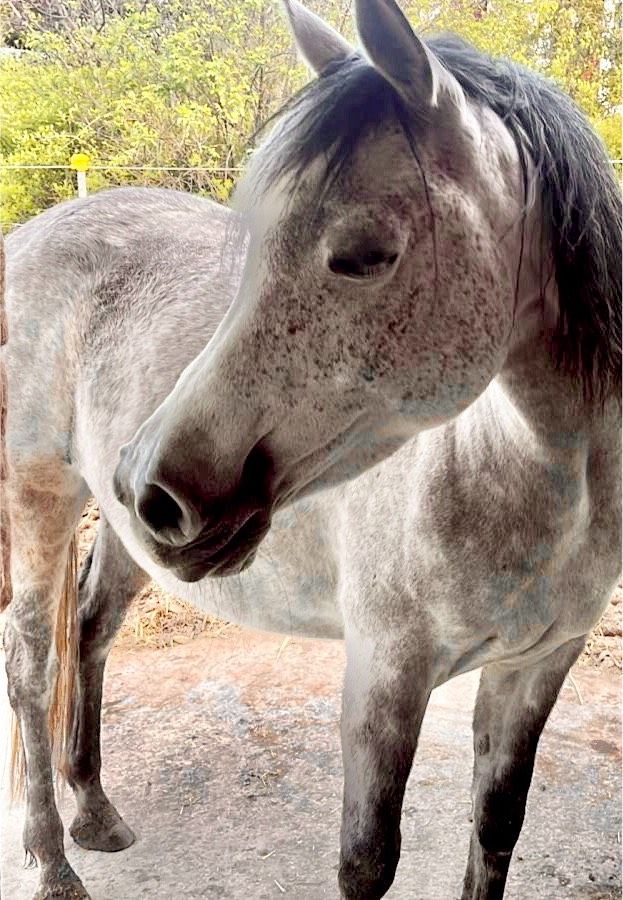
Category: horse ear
[319,44]
[401,57]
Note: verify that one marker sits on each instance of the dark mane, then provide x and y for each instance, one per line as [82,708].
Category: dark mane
[581,207]
[579,193]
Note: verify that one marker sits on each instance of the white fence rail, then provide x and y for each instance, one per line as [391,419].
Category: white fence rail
[113,168]
[81,165]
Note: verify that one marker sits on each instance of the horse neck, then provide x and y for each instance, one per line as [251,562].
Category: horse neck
[541,399]
[542,402]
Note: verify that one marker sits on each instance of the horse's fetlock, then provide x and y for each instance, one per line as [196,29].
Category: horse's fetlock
[43,840]
[30,860]
[367,870]
[81,775]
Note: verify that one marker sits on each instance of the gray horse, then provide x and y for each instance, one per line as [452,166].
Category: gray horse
[404,430]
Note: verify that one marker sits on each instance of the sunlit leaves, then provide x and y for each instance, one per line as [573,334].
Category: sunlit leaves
[186,82]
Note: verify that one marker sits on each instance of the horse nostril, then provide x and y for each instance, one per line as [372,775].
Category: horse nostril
[164,515]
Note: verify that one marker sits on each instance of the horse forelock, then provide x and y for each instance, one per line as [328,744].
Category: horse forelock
[561,159]
[326,120]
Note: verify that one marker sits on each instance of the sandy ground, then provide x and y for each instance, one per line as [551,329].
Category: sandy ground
[223,755]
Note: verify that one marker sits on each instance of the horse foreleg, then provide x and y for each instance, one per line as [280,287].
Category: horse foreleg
[42,522]
[384,701]
[108,581]
[511,710]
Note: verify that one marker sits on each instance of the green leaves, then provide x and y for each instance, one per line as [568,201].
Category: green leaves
[574,42]
[174,83]
[186,82]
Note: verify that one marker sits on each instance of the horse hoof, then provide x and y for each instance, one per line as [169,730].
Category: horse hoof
[107,834]
[62,892]
[62,889]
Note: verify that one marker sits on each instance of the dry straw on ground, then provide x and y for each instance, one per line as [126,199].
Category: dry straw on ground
[603,648]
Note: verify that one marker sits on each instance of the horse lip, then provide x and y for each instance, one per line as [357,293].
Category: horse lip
[192,573]
[192,563]
[188,574]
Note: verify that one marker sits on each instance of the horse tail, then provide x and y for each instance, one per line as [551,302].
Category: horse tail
[63,693]
[61,712]
[5,525]
[62,698]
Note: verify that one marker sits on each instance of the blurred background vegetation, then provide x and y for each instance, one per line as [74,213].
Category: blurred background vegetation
[185,83]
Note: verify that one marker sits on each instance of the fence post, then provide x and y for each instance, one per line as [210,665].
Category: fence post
[80,163]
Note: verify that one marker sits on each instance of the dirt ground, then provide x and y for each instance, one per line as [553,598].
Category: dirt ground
[223,755]
[157,619]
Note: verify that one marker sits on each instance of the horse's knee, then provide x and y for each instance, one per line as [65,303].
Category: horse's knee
[45,498]
[367,870]
[27,639]
[499,818]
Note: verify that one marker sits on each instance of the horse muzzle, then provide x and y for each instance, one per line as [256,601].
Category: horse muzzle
[190,526]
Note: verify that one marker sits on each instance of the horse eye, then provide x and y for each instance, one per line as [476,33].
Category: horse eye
[370,264]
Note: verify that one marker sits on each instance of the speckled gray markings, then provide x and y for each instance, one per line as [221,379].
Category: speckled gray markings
[387,427]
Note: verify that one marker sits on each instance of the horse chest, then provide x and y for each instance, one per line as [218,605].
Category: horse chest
[506,565]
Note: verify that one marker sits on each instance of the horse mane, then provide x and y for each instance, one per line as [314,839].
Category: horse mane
[579,193]
[580,201]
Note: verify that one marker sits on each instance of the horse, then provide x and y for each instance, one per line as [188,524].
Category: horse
[378,400]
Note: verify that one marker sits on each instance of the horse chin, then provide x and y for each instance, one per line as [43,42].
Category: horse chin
[233,567]
[193,571]
[195,561]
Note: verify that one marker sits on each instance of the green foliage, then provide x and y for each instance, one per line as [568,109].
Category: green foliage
[180,83]
[177,83]
[576,43]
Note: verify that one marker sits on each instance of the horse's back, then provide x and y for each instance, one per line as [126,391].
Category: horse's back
[100,293]
[118,215]
[62,256]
